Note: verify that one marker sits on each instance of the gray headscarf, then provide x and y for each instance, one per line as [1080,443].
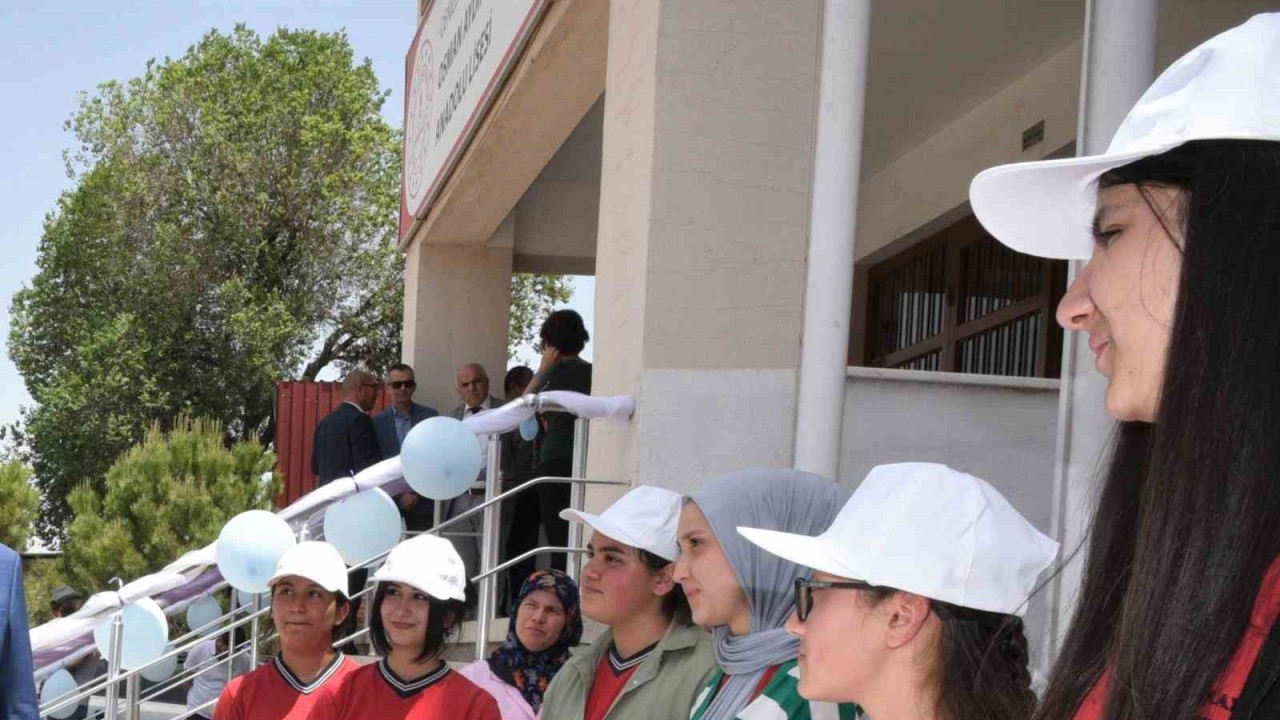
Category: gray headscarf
[786,500]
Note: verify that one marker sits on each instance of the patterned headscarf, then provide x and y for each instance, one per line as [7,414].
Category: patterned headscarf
[531,672]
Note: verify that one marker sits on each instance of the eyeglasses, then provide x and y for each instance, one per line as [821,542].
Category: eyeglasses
[397,384]
[805,588]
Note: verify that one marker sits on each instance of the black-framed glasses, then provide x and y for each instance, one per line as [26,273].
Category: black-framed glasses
[805,588]
[397,384]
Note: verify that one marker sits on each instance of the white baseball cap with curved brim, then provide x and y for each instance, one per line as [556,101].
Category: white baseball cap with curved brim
[1228,88]
[645,518]
[426,562]
[316,561]
[928,530]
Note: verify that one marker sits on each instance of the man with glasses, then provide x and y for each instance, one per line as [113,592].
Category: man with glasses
[345,440]
[392,425]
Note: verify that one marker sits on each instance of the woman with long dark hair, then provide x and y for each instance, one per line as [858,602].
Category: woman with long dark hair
[1176,616]
[915,607]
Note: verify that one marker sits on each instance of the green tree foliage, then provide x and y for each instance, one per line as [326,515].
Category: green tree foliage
[168,495]
[19,505]
[232,223]
[533,297]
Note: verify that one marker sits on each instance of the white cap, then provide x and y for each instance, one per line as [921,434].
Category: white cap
[644,518]
[316,561]
[1227,88]
[928,530]
[428,563]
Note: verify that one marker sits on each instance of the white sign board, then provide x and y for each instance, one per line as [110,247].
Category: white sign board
[459,56]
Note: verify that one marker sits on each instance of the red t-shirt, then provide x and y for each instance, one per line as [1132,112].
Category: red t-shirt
[1227,688]
[273,692]
[374,691]
[611,677]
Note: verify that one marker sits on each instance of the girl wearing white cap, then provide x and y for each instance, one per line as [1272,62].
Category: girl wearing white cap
[1180,299]
[914,609]
[308,605]
[745,594]
[652,661]
[418,603]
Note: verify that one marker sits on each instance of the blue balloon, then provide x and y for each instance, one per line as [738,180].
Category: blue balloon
[163,670]
[59,684]
[249,547]
[244,600]
[145,634]
[202,612]
[363,526]
[529,428]
[441,458]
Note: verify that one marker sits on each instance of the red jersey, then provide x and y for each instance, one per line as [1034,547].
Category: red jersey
[1227,688]
[374,691]
[273,692]
[611,677]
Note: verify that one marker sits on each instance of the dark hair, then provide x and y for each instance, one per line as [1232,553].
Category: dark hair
[564,331]
[518,375]
[674,604]
[400,366]
[1185,526]
[444,617]
[982,671]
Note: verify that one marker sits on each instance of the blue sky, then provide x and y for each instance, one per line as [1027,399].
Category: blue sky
[52,51]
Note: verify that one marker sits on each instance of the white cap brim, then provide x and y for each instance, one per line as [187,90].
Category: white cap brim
[1046,208]
[341,589]
[803,550]
[602,525]
[439,591]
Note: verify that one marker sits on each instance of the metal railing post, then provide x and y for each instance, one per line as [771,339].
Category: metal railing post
[132,704]
[577,494]
[489,544]
[254,634]
[113,665]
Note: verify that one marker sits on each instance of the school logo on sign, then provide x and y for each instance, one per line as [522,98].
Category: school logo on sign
[417,129]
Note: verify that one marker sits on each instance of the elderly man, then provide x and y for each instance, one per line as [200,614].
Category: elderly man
[473,390]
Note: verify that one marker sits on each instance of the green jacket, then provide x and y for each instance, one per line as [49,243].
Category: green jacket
[780,700]
[663,686]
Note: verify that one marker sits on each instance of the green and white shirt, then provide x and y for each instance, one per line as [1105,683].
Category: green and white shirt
[780,700]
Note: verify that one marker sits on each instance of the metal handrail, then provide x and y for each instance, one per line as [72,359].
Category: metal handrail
[489,509]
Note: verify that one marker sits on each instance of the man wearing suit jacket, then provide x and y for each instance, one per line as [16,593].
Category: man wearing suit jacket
[345,440]
[392,425]
[473,390]
[17,682]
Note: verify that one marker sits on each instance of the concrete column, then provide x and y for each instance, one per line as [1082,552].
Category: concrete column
[707,160]
[828,294]
[457,300]
[1119,65]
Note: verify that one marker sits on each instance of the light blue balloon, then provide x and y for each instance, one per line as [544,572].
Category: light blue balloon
[363,526]
[202,612]
[249,547]
[529,428]
[145,634]
[244,600]
[59,684]
[163,670]
[441,458]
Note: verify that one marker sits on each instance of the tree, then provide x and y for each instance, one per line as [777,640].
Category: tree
[533,297]
[233,222]
[168,495]
[19,505]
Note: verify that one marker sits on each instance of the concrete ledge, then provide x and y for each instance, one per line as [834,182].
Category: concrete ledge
[944,378]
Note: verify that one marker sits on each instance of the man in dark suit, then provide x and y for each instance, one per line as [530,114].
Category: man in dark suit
[473,389]
[17,683]
[345,440]
[392,425]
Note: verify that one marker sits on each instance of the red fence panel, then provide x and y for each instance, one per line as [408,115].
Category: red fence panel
[300,406]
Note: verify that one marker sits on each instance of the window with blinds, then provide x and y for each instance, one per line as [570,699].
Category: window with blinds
[961,302]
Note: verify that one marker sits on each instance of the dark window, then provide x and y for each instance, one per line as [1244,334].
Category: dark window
[959,301]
